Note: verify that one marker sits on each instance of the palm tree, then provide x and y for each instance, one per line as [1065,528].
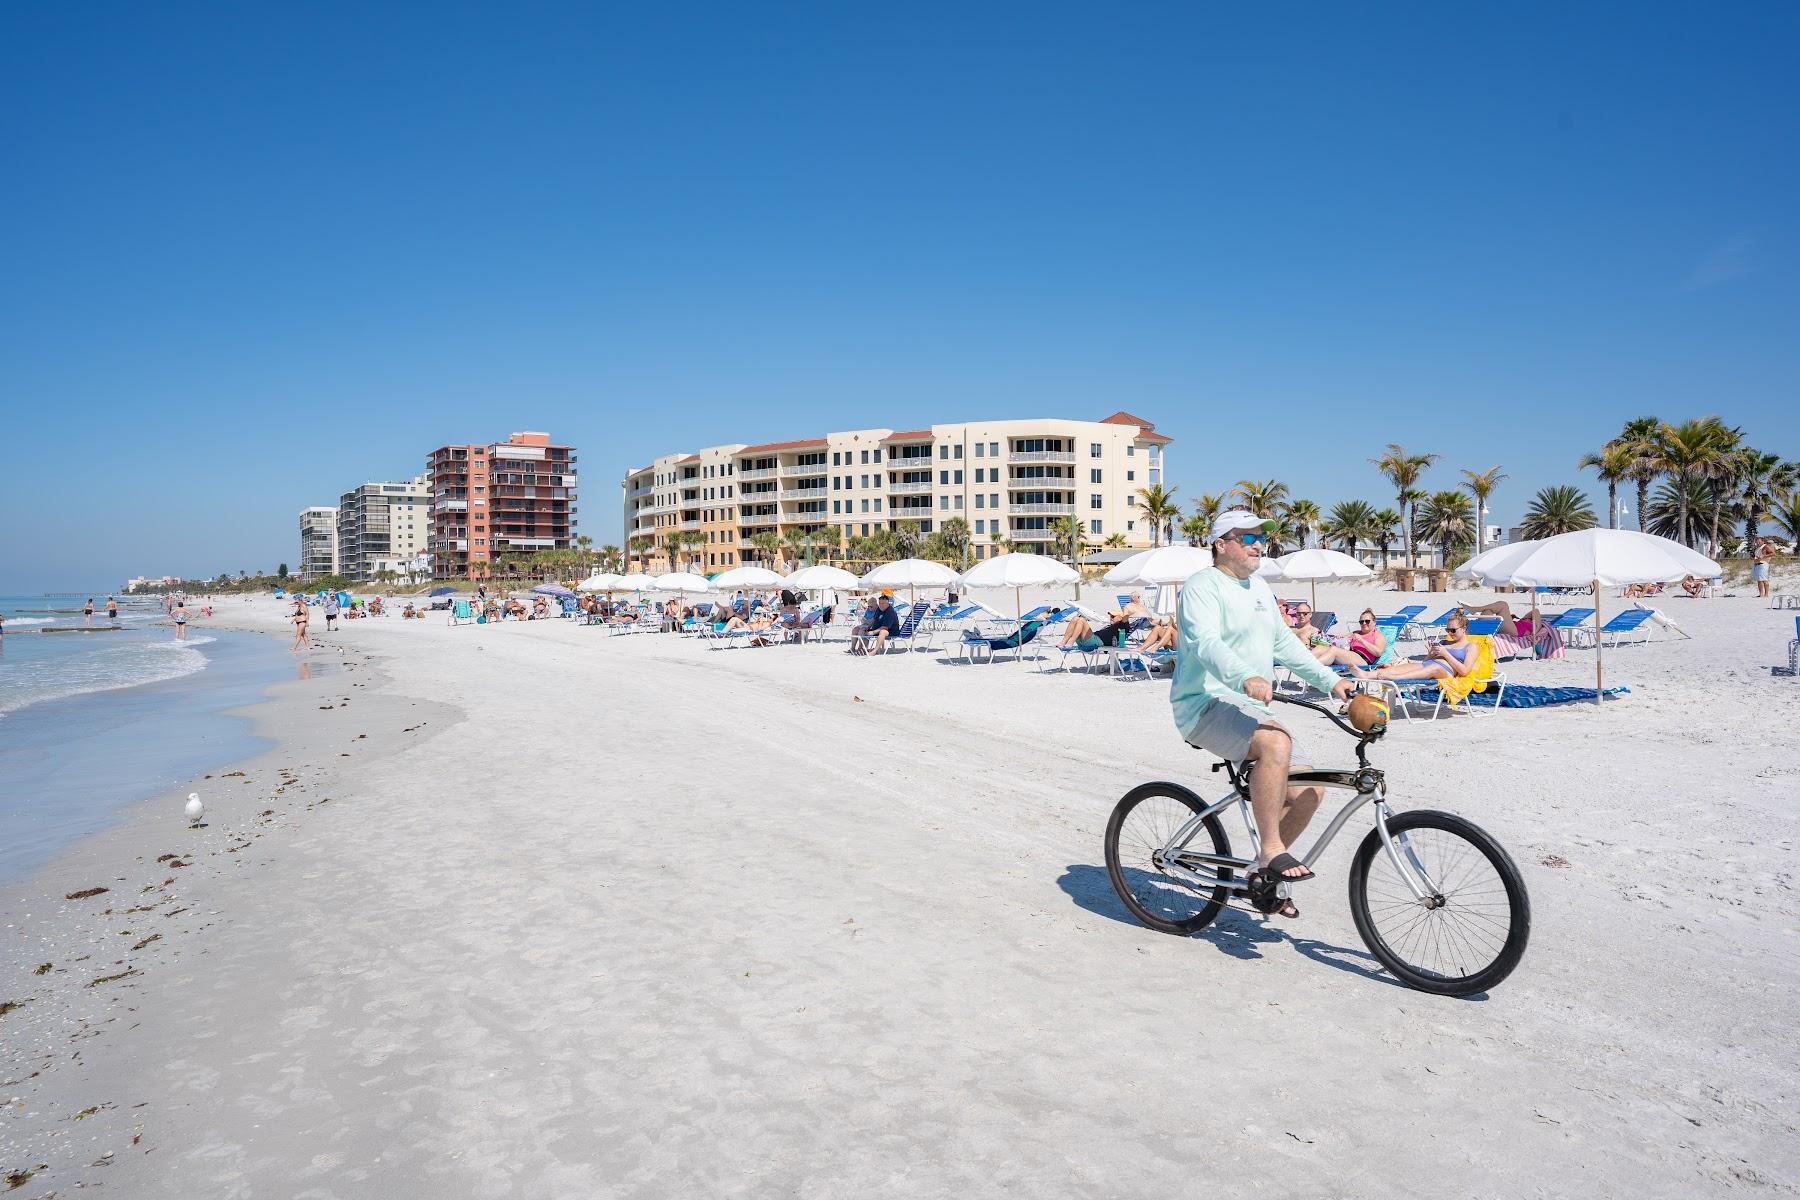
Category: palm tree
[768,545]
[1448,520]
[1303,518]
[1195,529]
[1765,478]
[1675,509]
[823,542]
[1158,505]
[610,559]
[1352,522]
[1071,538]
[638,549]
[1690,451]
[796,542]
[907,535]
[1386,521]
[1404,470]
[1114,541]
[1481,485]
[1559,509]
[1785,512]
[1207,509]
[955,533]
[1726,478]
[1639,437]
[1613,463]
[1001,542]
[1265,498]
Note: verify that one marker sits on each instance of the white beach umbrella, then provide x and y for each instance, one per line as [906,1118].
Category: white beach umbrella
[747,577]
[1270,570]
[605,581]
[637,581]
[821,578]
[1320,563]
[911,574]
[1155,567]
[1019,571]
[1495,566]
[681,581]
[1607,558]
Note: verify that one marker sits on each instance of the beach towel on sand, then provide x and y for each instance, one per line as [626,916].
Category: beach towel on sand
[1520,695]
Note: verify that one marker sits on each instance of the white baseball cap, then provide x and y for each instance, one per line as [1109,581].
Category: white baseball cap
[1233,519]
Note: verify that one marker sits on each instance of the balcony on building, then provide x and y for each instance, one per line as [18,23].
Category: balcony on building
[1058,508]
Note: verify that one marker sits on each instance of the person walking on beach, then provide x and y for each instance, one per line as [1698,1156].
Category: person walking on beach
[180,615]
[1230,635]
[87,612]
[331,612]
[1759,566]
[299,619]
[112,609]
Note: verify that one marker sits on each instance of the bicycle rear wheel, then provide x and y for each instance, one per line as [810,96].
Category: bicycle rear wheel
[1142,824]
[1469,933]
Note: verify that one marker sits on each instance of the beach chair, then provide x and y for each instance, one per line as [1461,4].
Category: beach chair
[1484,626]
[977,647]
[1404,695]
[1405,615]
[461,614]
[1323,621]
[1793,667]
[1136,664]
[1417,631]
[1628,628]
[909,628]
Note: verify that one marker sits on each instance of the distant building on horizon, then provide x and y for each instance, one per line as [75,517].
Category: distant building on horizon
[318,541]
[381,521]
[143,583]
[515,497]
[1011,478]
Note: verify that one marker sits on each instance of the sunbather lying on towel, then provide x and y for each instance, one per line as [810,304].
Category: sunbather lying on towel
[1453,657]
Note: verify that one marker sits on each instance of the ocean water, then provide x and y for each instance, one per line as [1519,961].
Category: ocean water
[92,723]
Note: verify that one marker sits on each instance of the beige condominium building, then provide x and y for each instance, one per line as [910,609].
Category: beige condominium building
[318,541]
[1014,478]
[389,520]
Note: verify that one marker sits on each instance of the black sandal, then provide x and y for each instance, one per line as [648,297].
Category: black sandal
[1266,900]
[1277,869]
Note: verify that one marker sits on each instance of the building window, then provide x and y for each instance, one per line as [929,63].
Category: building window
[980,449]
[958,477]
[878,504]
[1130,476]
[1130,526]
[958,453]
[993,499]
[1094,501]
[943,452]
[834,459]
[1094,475]
[1094,450]
[834,508]
[959,503]
[943,479]
[980,500]
[943,502]
[865,456]
[865,506]
[865,531]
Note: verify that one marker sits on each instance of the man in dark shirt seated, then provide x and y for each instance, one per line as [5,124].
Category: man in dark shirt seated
[878,624]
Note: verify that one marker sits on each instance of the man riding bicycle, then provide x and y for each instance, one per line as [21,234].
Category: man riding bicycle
[1230,635]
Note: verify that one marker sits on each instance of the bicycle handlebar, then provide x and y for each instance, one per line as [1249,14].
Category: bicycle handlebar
[1327,713]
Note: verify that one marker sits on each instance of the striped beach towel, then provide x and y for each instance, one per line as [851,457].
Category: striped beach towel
[1549,644]
[1521,695]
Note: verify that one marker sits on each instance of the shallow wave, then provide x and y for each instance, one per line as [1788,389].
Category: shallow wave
[116,666]
[17,622]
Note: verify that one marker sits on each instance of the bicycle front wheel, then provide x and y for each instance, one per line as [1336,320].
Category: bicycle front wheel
[1137,837]
[1469,931]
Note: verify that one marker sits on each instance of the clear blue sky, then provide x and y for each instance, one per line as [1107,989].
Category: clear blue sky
[255,255]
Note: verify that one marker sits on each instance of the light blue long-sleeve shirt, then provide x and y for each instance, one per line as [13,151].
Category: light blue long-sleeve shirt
[1230,631]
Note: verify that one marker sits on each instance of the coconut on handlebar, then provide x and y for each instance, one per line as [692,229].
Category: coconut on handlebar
[1368,715]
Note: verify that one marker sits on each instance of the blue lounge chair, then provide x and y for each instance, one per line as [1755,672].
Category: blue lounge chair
[461,614]
[1629,627]
[1406,614]
[1419,630]
[976,646]
[909,628]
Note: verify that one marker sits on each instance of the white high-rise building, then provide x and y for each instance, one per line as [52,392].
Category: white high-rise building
[318,541]
[382,521]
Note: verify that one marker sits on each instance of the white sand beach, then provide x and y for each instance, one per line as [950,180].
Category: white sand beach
[623,916]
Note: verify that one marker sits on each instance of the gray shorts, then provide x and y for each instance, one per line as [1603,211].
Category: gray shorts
[1225,728]
[1759,572]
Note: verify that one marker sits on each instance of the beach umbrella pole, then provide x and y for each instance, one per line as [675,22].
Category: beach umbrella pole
[1599,672]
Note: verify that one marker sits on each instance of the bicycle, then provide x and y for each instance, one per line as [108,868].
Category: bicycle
[1435,898]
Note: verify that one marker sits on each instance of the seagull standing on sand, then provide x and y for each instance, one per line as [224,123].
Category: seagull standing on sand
[194,810]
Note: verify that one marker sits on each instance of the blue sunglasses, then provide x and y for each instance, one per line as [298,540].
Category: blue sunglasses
[1253,539]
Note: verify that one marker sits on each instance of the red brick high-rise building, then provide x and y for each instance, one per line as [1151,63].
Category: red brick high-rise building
[516,496]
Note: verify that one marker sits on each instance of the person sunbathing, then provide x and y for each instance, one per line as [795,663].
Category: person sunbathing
[1693,587]
[1084,636]
[1451,658]
[1366,645]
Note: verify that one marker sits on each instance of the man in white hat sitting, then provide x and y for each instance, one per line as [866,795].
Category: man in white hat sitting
[1229,637]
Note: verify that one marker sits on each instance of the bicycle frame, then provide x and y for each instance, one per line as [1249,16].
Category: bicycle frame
[1367,784]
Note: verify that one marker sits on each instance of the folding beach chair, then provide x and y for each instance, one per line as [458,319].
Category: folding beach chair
[1420,630]
[1631,627]
[1404,695]
[1406,614]
[461,614]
